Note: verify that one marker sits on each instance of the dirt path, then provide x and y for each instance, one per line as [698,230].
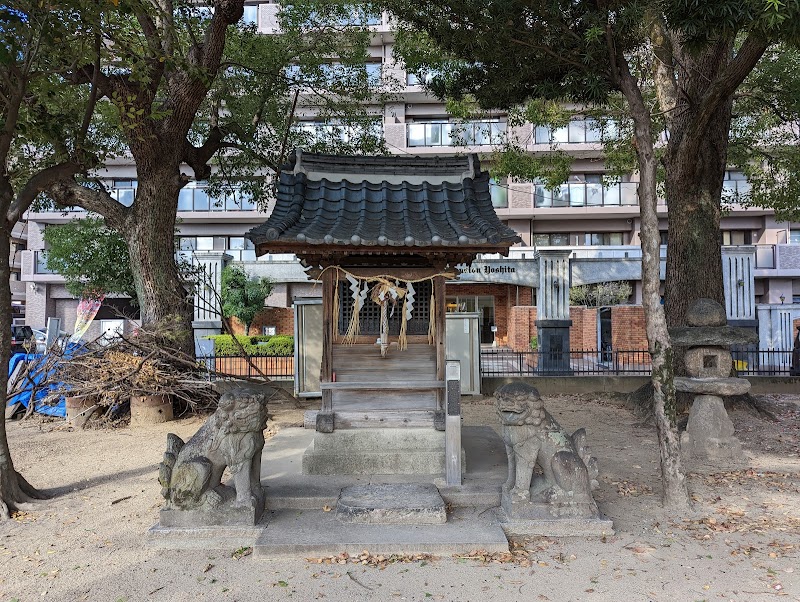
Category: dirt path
[742,543]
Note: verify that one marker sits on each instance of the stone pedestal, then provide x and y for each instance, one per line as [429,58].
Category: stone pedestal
[709,432]
[377,451]
[554,347]
[226,514]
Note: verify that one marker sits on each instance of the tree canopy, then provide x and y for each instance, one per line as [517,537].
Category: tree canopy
[183,84]
[242,296]
[92,258]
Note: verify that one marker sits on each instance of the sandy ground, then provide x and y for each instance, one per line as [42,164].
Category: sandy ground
[741,543]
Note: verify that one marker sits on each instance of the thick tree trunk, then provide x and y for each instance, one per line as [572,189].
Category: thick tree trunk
[695,162]
[149,231]
[694,259]
[676,495]
[15,491]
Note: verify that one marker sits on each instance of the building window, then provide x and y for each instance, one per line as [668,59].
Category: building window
[559,239]
[736,237]
[735,185]
[586,190]
[578,131]
[123,191]
[499,192]
[794,237]
[194,197]
[250,16]
[238,247]
[663,234]
[603,238]
[40,266]
[320,131]
[444,133]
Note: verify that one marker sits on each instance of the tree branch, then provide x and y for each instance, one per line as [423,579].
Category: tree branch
[198,157]
[731,78]
[38,183]
[68,192]
[664,66]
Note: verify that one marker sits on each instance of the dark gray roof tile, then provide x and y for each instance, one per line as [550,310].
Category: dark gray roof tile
[349,212]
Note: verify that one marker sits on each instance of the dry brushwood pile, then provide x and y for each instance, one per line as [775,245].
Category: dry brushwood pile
[110,373]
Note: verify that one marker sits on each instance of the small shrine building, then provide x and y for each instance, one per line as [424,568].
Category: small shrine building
[382,234]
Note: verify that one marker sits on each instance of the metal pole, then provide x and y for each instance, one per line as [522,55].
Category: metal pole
[452,425]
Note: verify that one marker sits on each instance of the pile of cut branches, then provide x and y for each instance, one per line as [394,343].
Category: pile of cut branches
[111,372]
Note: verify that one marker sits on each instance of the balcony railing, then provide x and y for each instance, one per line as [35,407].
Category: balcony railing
[579,131]
[474,133]
[197,199]
[587,195]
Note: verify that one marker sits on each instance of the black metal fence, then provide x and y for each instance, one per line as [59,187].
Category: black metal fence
[273,367]
[770,362]
[505,362]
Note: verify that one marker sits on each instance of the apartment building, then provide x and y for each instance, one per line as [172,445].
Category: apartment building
[19,240]
[598,222]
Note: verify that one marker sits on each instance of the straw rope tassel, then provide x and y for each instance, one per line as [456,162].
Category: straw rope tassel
[432,321]
[402,339]
[336,305]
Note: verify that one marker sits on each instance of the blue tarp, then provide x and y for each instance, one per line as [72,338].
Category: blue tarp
[37,376]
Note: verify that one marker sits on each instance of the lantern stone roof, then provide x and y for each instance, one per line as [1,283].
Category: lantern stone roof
[404,202]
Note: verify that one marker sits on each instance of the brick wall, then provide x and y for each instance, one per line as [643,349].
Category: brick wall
[502,303]
[583,332]
[280,317]
[627,328]
[521,327]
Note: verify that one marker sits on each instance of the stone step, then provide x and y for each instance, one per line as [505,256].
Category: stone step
[380,440]
[374,463]
[315,534]
[391,504]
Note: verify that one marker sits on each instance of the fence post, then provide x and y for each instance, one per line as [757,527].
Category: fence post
[452,424]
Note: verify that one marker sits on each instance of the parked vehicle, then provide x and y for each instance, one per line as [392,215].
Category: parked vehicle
[22,339]
[41,339]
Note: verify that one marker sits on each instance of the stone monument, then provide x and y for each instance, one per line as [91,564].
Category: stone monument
[552,312]
[559,500]
[709,433]
[191,472]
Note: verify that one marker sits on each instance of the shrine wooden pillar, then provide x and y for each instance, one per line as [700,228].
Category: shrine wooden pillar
[329,324]
[439,339]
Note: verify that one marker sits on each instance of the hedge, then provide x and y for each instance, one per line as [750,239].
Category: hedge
[278,345]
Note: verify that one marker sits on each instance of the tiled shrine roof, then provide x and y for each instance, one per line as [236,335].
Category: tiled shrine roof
[383,201]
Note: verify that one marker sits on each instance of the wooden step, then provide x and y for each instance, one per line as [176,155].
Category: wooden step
[374,419]
[407,385]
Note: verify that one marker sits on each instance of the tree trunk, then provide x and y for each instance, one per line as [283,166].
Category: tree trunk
[694,258]
[15,491]
[676,495]
[695,162]
[149,231]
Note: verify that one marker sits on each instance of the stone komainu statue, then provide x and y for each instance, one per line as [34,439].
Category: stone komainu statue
[233,437]
[532,437]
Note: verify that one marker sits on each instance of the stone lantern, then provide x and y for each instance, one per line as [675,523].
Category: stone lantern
[709,433]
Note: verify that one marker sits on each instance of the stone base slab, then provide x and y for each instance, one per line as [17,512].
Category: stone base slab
[314,534]
[525,510]
[204,538]
[599,526]
[225,515]
[391,504]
